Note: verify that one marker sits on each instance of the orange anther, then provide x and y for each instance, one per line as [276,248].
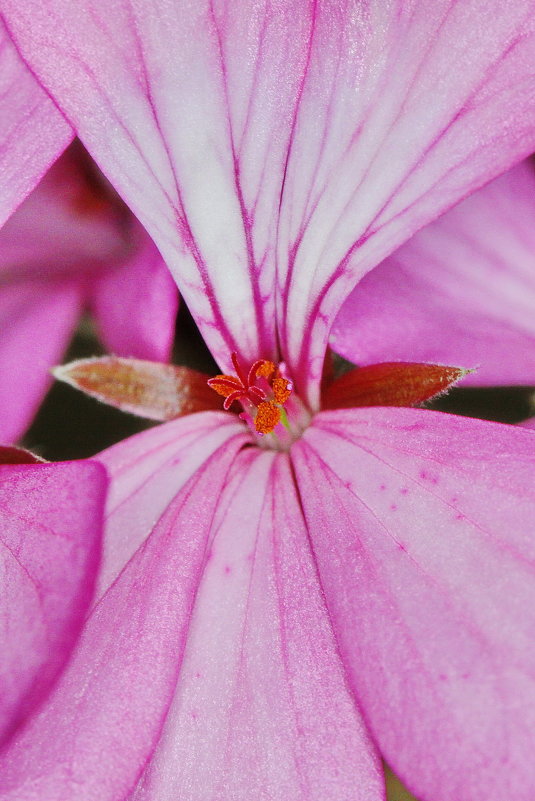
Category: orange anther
[267,417]
[281,389]
[265,369]
[224,385]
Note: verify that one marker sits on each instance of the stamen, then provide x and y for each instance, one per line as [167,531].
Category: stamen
[224,385]
[268,396]
[267,417]
[281,389]
[257,393]
[238,368]
[263,368]
[229,400]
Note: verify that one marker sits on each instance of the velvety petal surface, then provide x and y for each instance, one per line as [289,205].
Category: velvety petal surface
[32,130]
[37,320]
[98,727]
[422,528]
[314,137]
[50,543]
[135,305]
[261,709]
[461,291]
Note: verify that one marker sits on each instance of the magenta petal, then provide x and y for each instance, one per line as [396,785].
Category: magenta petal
[99,726]
[50,538]
[261,708]
[32,131]
[461,291]
[422,526]
[36,322]
[135,304]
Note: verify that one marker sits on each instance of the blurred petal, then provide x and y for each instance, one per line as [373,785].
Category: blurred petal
[50,537]
[461,291]
[135,305]
[431,589]
[355,120]
[148,389]
[36,322]
[261,709]
[32,130]
[99,726]
[72,224]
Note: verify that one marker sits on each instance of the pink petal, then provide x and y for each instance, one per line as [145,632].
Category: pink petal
[36,322]
[461,291]
[73,232]
[32,130]
[261,708]
[51,526]
[136,304]
[317,137]
[146,472]
[422,526]
[67,227]
[200,102]
[98,728]
[444,103]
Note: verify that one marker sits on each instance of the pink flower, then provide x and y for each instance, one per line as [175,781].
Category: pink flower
[71,246]
[277,611]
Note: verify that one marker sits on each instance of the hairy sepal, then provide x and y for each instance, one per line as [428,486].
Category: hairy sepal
[390,384]
[148,389]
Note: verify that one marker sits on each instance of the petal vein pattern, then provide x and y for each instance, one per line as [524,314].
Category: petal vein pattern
[461,291]
[218,616]
[146,472]
[32,130]
[201,133]
[50,545]
[400,133]
[431,589]
[97,729]
[261,708]
[275,148]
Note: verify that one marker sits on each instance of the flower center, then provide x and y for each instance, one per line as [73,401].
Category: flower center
[262,391]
